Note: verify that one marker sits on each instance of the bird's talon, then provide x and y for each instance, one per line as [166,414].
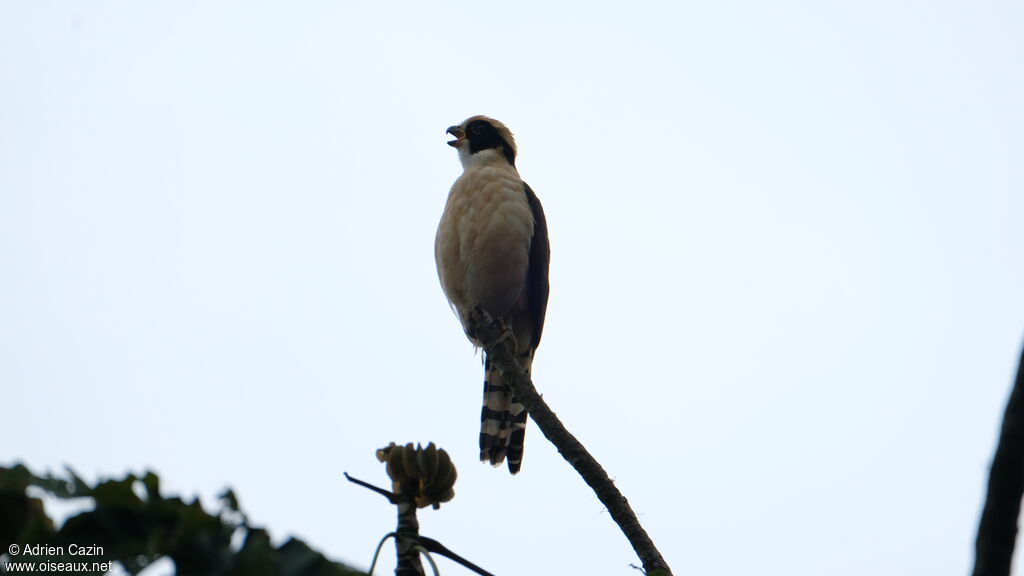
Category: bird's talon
[506,333]
[477,321]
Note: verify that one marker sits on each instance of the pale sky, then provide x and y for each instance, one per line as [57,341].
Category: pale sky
[787,280]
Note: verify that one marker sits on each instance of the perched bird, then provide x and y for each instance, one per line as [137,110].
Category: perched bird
[492,256]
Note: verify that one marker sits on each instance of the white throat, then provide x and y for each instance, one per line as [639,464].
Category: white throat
[481,158]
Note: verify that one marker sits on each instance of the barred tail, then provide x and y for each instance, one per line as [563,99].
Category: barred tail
[502,421]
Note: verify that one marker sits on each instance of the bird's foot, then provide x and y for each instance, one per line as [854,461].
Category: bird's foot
[506,334]
[479,317]
[478,324]
[481,328]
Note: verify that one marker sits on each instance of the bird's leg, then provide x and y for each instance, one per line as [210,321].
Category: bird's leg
[507,333]
[480,323]
[477,321]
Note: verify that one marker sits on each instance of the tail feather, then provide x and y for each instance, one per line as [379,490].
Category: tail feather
[502,421]
[517,437]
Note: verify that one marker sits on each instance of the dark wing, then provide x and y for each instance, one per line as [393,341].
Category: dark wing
[540,258]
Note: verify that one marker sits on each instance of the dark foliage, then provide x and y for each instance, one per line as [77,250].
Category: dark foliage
[136,525]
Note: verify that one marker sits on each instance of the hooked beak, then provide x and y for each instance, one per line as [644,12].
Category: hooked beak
[458,133]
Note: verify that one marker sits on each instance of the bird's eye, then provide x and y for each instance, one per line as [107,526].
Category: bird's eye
[477,129]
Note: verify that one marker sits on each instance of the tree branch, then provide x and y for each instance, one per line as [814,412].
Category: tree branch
[998,528]
[499,351]
[407,536]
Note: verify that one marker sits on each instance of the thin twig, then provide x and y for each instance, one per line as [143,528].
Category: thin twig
[439,549]
[391,496]
[426,553]
[376,553]
[498,351]
[997,531]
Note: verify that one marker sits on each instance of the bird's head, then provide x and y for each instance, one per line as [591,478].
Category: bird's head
[481,133]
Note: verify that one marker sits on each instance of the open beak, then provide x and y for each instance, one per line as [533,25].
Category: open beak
[458,133]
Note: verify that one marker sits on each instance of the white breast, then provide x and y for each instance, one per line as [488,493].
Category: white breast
[483,241]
